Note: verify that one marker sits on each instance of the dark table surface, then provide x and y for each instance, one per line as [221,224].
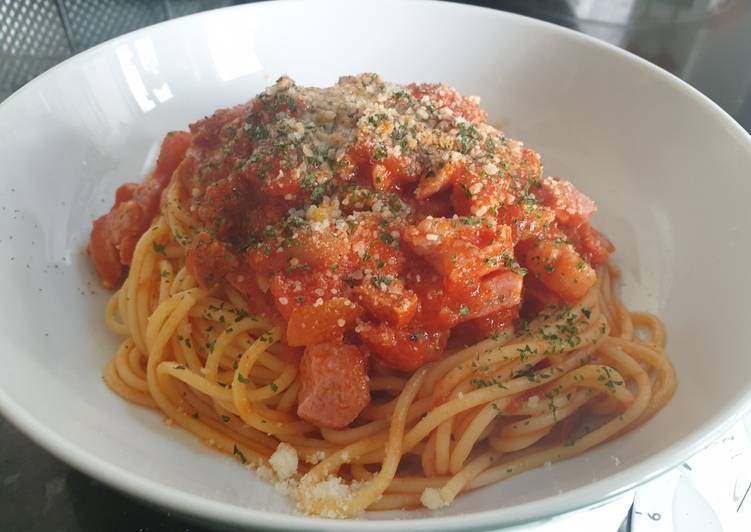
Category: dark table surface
[705,42]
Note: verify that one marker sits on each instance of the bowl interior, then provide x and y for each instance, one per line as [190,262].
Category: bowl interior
[667,168]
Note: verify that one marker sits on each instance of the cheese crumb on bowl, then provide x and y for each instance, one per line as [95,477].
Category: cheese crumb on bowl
[432,499]
[284,461]
[328,498]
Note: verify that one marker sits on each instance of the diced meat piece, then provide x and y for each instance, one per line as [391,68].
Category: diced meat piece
[590,243]
[437,180]
[208,260]
[321,321]
[499,291]
[571,206]
[335,386]
[387,300]
[462,248]
[561,269]
[496,292]
[403,349]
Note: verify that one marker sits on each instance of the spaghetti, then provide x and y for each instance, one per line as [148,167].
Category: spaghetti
[569,374]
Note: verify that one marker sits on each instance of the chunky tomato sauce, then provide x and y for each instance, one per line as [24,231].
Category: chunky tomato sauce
[378,219]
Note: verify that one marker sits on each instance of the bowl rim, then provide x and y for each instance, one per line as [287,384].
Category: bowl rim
[592,495]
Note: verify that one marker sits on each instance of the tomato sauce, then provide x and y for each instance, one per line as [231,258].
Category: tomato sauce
[388,217]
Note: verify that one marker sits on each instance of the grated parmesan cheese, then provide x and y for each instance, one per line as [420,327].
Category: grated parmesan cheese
[490,169]
[432,499]
[327,498]
[316,457]
[284,461]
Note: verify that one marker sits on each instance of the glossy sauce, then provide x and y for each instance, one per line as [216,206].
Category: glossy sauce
[386,217]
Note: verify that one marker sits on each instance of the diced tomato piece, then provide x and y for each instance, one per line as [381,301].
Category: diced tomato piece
[527,221]
[206,131]
[104,254]
[321,249]
[571,207]
[431,294]
[376,248]
[172,152]
[403,349]
[300,288]
[590,243]
[116,233]
[124,224]
[146,196]
[561,269]
[474,195]
[335,387]
[480,328]
[125,193]
[324,322]
[259,301]
[529,166]
[274,175]
[360,154]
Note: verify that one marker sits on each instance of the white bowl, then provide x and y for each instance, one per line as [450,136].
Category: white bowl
[667,167]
